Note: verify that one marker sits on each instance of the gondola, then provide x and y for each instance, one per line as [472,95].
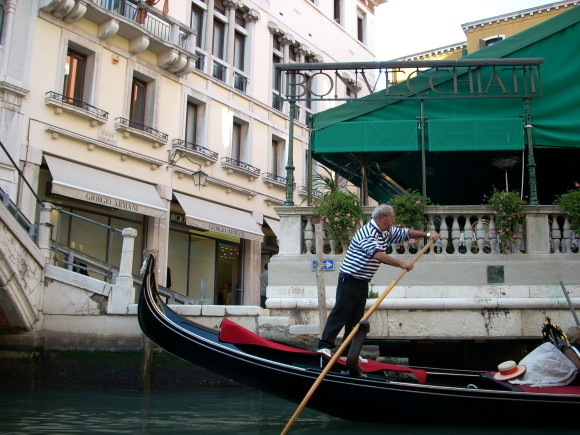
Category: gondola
[384,393]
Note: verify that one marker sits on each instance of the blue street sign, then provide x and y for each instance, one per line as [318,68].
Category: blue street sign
[326,265]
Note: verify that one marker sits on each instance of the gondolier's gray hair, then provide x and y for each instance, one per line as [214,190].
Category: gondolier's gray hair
[382,210]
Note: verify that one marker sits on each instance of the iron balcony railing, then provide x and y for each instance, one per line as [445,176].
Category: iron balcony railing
[138,126]
[242,165]
[219,71]
[50,95]
[240,82]
[268,176]
[277,102]
[197,148]
[130,10]
[200,61]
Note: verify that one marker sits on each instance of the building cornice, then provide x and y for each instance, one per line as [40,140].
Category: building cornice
[519,14]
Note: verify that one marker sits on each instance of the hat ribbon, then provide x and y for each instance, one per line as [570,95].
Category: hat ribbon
[509,372]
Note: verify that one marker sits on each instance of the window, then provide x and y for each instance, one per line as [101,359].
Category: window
[278,163]
[74,76]
[138,100]
[197,15]
[486,42]
[191,123]
[337,10]
[239,50]
[360,25]
[237,142]
[219,32]
[1,22]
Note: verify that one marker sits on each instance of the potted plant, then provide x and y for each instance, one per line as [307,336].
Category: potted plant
[509,216]
[410,213]
[341,211]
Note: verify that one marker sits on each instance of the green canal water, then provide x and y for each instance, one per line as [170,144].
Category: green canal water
[205,411]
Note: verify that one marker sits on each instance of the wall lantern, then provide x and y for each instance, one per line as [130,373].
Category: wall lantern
[199,176]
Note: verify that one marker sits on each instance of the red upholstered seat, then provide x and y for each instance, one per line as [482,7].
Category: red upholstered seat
[235,334]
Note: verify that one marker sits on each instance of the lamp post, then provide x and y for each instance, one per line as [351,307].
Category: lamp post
[505,163]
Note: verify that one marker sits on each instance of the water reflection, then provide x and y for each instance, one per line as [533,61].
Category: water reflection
[208,411]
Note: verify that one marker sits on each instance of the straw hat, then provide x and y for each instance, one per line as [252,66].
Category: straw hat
[509,370]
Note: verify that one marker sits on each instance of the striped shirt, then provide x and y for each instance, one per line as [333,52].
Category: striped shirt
[359,262]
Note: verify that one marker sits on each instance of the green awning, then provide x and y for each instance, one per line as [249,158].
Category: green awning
[455,128]
[475,134]
[363,136]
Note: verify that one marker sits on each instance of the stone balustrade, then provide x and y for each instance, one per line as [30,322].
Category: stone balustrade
[464,230]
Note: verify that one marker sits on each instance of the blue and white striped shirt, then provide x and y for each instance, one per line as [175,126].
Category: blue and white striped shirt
[359,261]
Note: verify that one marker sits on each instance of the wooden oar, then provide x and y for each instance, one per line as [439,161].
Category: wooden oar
[348,340]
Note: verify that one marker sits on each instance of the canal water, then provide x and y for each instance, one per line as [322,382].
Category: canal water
[206,411]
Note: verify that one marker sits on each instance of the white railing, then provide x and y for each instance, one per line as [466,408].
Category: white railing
[464,230]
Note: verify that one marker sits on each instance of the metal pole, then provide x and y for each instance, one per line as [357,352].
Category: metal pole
[423,150]
[570,304]
[290,165]
[531,162]
[309,169]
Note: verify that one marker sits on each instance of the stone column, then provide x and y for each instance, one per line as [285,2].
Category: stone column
[45,229]
[231,15]
[537,230]
[208,42]
[123,292]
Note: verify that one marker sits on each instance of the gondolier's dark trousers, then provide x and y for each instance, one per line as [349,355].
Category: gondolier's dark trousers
[351,297]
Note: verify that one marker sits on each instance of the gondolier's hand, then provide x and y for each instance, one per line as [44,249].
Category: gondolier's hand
[407,266]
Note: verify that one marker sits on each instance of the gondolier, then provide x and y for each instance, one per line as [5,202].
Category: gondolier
[364,255]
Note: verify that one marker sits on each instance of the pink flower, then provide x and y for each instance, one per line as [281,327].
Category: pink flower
[417,202]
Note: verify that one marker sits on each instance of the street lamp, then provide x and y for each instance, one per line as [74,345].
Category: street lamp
[199,176]
[505,163]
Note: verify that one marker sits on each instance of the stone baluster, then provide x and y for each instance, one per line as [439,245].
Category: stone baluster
[308,235]
[455,234]
[517,241]
[444,233]
[480,234]
[556,234]
[567,237]
[469,236]
[430,229]
[493,243]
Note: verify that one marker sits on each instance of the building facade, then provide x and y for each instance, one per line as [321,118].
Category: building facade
[112,109]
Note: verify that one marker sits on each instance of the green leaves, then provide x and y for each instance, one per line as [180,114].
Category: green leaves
[569,203]
[509,216]
[410,210]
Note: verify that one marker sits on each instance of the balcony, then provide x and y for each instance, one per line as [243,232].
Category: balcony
[233,165]
[144,27]
[129,128]
[275,180]
[62,103]
[208,156]
[219,71]
[240,82]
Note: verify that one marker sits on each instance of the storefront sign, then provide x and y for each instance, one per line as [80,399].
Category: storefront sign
[226,230]
[110,202]
[459,78]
